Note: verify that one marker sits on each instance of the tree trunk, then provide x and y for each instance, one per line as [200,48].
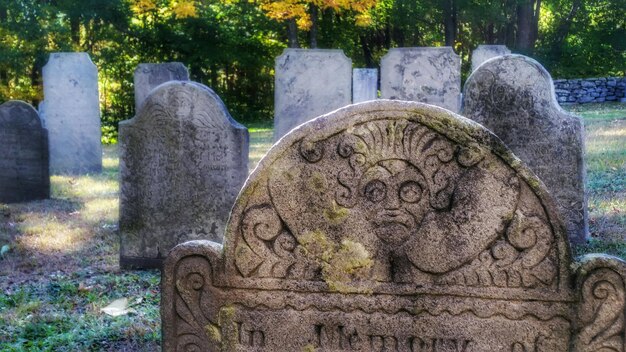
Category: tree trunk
[450,21]
[367,52]
[292,33]
[563,29]
[75,30]
[524,37]
[313,32]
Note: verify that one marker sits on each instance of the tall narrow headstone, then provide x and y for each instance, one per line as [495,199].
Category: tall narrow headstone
[485,52]
[392,226]
[427,75]
[309,82]
[513,96]
[23,154]
[364,84]
[183,160]
[149,76]
[72,113]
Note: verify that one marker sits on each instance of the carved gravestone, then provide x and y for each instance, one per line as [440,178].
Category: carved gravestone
[72,113]
[391,226]
[427,75]
[23,154]
[183,160]
[513,96]
[364,84]
[149,76]
[309,83]
[485,52]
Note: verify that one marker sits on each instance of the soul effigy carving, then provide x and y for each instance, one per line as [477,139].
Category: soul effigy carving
[391,226]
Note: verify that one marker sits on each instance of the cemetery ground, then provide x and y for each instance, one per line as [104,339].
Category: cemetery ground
[59,257]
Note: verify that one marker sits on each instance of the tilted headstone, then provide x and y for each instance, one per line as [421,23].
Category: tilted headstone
[427,75]
[513,96]
[391,226]
[72,113]
[485,52]
[364,84]
[149,76]
[309,83]
[183,160]
[23,154]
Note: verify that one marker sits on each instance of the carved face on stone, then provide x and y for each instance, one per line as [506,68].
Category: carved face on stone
[394,195]
[181,103]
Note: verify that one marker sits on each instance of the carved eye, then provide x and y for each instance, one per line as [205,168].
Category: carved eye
[375,191]
[410,192]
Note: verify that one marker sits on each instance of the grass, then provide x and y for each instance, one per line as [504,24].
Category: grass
[62,266]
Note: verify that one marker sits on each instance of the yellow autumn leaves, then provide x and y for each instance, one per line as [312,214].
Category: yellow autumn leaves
[298,10]
[280,10]
[178,8]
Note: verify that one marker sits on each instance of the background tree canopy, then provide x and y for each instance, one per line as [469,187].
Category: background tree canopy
[230,45]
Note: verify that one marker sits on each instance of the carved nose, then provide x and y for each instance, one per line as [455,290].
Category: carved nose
[392,203]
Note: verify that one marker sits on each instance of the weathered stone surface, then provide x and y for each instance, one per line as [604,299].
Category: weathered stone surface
[309,83]
[183,160]
[23,154]
[364,84]
[427,75]
[149,76]
[72,113]
[391,226]
[485,52]
[513,96]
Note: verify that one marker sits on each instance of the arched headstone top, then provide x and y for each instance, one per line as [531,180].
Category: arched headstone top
[513,96]
[19,114]
[417,194]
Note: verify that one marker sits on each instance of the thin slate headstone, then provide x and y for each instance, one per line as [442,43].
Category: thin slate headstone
[23,154]
[149,76]
[309,83]
[485,52]
[513,96]
[183,160]
[72,113]
[364,84]
[427,75]
[391,226]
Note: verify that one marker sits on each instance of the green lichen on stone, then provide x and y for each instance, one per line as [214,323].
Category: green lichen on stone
[317,182]
[214,333]
[227,316]
[308,348]
[336,213]
[345,266]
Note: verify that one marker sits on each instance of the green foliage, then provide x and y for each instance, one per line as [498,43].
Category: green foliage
[230,45]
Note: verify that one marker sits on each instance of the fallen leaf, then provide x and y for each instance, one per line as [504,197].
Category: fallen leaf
[117,308]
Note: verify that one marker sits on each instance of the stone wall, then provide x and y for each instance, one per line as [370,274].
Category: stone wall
[590,90]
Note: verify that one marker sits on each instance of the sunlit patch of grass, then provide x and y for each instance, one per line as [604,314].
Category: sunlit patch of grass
[46,233]
[260,143]
[82,187]
[101,210]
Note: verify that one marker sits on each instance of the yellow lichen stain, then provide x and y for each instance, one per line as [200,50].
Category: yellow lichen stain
[336,213]
[308,348]
[214,333]
[345,266]
[227,316]
[317,182]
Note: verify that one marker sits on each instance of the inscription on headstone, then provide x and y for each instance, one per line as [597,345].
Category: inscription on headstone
[391,226]
[183,160]
[23,154]
[485,52]
[149,76]
[427,75]
[513,96]
[309,83]
[364,84]
[72,113]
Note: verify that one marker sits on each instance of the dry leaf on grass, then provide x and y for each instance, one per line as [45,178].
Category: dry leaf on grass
[117,308]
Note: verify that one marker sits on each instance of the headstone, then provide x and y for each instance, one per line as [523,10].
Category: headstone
[427,75]
[149,76]
[183,160]
[391,226]
[513,96]
[23,155]
[485,52]
[309,83]
[72,113]
[364,84]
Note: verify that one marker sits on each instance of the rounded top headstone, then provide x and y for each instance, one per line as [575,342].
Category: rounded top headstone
[19,114]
